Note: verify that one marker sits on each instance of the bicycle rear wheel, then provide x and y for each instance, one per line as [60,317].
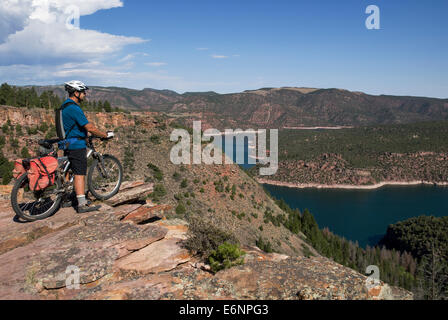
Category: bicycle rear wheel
[104,184]
[34,205]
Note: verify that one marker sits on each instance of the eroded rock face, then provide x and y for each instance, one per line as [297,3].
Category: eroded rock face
[130,194]
[111,255]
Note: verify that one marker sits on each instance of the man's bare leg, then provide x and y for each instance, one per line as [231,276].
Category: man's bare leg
[80,185]
[80,189]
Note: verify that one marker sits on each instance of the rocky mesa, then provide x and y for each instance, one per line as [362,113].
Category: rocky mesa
[130,250]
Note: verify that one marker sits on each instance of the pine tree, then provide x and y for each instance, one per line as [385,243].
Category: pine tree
[433,276]
[6,94]
[107,106]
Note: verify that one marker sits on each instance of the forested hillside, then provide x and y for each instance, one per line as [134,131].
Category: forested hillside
[426,237]
[364,155]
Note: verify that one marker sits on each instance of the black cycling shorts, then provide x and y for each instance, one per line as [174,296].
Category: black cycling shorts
[78,161]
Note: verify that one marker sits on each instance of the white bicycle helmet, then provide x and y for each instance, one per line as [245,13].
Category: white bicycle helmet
[75,85]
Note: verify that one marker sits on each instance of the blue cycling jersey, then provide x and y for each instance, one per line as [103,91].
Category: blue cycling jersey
[74,121]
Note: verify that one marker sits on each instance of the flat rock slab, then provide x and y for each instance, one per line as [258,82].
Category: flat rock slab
[145,213]
[175,231]
[131,184]
[122,211]
[15,233]
[92,246]
[163,255]
[130,195]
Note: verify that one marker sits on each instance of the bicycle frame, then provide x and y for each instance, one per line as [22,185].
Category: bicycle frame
[90,153]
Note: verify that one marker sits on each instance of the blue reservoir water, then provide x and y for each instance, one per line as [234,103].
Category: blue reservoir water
[361,215]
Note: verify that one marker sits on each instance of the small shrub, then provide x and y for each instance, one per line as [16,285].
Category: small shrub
[178,196]
[155,139]
[5,128]
[158,174]
[25,153]
[203,237]
[180,209]
[19,131]
[265,246]
[184,183]
[159,192]
[176,175]
[226,256]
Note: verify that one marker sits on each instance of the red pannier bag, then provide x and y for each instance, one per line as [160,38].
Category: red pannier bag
[42,172]
[20,167]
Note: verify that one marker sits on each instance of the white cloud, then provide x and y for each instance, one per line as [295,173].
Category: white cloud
[215,56]
[131,56]
[201,49]
[13,16]
[156,64]
[38,34]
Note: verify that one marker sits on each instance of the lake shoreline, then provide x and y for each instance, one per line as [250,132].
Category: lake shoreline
[348,186]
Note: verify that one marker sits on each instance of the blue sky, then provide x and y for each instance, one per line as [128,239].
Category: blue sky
[231,46]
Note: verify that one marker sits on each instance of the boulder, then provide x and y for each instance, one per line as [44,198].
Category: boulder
[145,213]
[130,195]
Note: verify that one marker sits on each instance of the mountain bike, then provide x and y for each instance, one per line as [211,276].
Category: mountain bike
[104,177]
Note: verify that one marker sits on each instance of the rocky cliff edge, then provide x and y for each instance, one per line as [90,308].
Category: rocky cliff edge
[129,250]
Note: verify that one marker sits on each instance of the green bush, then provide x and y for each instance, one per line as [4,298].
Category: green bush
[5,128]
[159,192]
[204,237]
[6,168]
[184,183]
[31,131]
[51,132]
[24,153]
[265,246]
[19,131]
[155,139]
[226,256]
[158,174]
[176,176]
[180,209]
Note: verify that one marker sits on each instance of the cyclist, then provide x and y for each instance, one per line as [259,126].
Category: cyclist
[76,125]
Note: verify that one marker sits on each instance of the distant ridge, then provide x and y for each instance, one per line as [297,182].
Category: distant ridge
[275,107]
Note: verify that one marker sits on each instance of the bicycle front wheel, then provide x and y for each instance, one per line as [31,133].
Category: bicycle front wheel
[35,205]
[104,177]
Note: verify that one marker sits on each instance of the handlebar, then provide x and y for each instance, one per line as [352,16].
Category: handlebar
[95,137]
[48,143]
